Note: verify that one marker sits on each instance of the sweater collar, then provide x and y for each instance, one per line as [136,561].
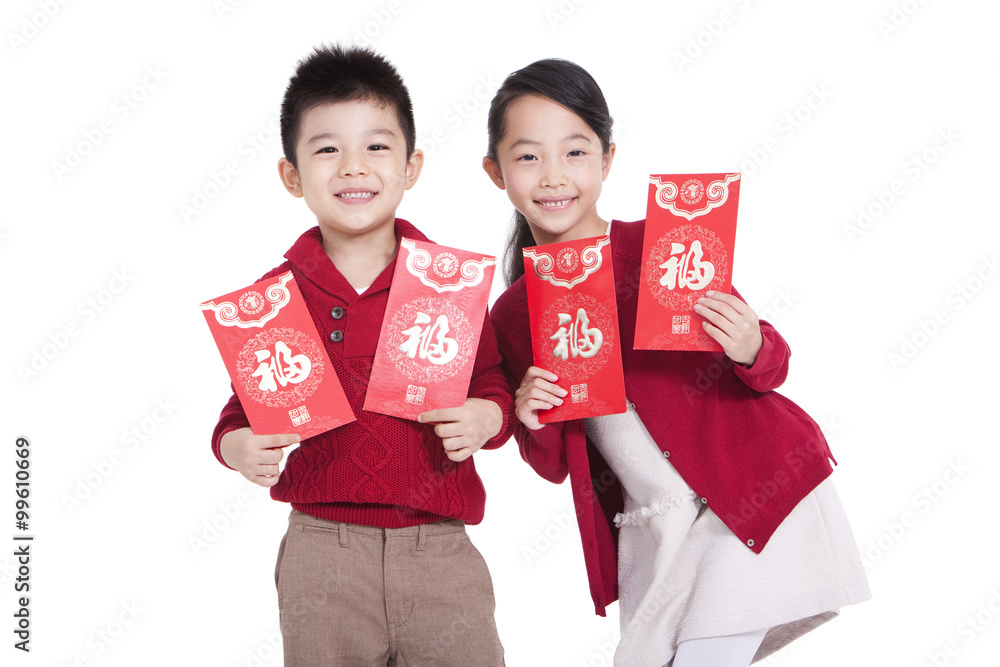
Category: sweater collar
[308,256]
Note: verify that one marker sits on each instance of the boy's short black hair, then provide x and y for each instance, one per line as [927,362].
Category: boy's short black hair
[341,74]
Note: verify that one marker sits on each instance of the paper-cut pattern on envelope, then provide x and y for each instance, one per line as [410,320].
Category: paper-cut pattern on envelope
[690,197]
[569,267]
[250,303]
[442,271]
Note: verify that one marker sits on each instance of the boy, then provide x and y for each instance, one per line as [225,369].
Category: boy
[376,567]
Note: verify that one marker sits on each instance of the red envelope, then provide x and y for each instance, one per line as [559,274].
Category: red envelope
[276,359]
[687,249]
[431,329]
[574,325]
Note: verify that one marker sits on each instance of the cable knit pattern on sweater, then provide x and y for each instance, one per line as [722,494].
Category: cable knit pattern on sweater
[378,470]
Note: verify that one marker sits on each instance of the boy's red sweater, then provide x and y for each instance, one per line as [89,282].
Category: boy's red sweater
[379,470]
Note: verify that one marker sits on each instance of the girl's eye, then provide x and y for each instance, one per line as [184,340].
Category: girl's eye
[526,158]
[576,153]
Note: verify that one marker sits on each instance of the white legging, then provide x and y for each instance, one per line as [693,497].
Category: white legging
[728,651]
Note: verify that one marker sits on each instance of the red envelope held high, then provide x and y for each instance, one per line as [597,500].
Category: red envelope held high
[687,249]
[276,359]
[430,331]
[574,325]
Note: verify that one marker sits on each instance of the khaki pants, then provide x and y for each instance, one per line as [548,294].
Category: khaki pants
[357,595]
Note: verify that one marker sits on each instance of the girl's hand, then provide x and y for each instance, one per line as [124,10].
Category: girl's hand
[536,392]
[733,324]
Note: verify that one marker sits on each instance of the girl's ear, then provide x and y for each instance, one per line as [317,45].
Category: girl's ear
[289,177]
[606,161]
[492,170]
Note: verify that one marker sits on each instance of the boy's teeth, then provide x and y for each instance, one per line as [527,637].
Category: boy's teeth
[356,195]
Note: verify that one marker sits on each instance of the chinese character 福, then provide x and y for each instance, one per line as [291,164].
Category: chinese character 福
[283,368]
[430,343]
[579,339]
[689,270]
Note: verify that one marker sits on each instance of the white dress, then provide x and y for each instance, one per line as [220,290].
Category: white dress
[682,574]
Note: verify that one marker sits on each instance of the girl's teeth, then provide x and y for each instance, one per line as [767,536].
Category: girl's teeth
[554,204]
[356,195]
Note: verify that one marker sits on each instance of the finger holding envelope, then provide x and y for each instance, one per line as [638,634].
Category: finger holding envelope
[537,391]
[465,429]
[731,323]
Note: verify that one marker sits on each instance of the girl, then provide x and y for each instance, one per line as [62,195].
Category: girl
[699,474]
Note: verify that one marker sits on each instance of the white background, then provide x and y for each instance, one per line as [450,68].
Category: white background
[822,106]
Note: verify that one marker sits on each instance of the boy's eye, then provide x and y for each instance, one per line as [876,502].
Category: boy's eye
[327,149]
[577,153]
[378,147]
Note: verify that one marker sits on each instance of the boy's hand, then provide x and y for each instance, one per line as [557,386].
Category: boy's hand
[537,392]
[256,457]
[464,430]
[733,325]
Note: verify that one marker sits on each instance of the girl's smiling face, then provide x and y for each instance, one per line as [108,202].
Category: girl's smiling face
[552,166]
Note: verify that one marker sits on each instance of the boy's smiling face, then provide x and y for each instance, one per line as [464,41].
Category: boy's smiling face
[352,167]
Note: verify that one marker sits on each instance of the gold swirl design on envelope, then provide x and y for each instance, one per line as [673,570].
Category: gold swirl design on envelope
[419,262]
[227,313]
[716,194]
[545,265]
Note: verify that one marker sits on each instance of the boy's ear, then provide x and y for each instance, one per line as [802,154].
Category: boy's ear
[492,170]
[289,177]
[606,162]
[413,167]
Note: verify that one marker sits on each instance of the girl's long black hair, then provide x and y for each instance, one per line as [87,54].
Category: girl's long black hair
[565,83]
